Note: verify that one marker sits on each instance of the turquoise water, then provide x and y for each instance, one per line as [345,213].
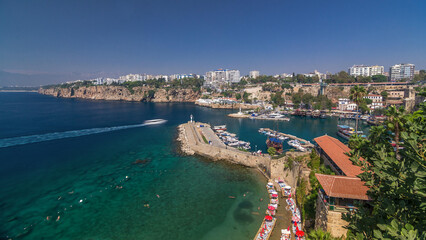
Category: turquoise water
[88,186]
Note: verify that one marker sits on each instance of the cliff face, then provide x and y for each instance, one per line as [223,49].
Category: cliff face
[122,93]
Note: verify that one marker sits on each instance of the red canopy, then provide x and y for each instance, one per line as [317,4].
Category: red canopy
[271,208]
[300,233]
[274,195]
[268,218]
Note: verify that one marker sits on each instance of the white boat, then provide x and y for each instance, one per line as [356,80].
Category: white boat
[275,115]
[219,127]
[154,121]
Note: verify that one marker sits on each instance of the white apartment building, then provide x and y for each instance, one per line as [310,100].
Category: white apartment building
[377,70]
[374,97]
[346,105]
[377,101]
[366,71]
[254,74]
[320,76]
[359,70]
[223,76]
[401,71]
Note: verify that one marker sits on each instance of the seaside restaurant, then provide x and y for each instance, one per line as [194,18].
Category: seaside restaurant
[332,151]
[341,193]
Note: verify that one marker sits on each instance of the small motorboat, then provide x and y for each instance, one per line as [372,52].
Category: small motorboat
[154,121]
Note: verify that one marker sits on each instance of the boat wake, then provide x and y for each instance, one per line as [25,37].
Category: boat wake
[9,142]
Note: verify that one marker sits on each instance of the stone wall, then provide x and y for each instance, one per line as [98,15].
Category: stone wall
[320,215]
[330,221]
[335,224]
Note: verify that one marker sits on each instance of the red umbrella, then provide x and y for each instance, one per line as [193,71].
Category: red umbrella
[271,208]
[268,218]
[274,195]
[300,233]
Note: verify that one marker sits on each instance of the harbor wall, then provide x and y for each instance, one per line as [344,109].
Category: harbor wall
[192,143]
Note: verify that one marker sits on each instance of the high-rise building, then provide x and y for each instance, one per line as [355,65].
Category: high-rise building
[223,76]
[359,70]
[377,70]
[366,71]
[401,71]
[254,74]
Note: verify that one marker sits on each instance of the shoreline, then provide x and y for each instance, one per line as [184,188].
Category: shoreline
[193,142]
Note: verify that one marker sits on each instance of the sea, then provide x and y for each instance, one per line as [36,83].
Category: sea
[87,169]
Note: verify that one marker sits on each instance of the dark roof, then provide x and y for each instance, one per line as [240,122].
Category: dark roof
[336,150]
[343,186]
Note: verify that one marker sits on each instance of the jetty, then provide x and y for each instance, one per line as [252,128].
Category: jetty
[304,143]
[200,139]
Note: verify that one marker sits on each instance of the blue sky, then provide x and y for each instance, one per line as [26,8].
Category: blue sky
[83,39]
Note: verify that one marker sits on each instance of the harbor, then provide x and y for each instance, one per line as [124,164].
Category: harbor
[296,142]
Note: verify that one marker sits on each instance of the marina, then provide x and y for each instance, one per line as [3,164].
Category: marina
[230,139]
[296,142]
[346,132]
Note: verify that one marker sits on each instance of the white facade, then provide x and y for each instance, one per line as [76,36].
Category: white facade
[402,71]
[254,74]
[366,71]
[375,97]
[223,76]
[377,70]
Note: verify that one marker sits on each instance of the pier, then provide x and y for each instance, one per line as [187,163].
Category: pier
[304,143]
[195,138]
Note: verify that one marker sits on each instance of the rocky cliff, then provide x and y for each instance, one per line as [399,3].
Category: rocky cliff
[148,94]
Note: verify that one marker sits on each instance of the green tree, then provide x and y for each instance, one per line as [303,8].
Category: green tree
[272,151]
[396,179]
[319,234]
[238,96]
[357,95]
[246,97]
[384,94]
[379,78]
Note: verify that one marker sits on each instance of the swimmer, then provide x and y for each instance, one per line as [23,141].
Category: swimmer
[158,196]
[48,218]
[244,194]
[258,208]
[59,217]
[261,199]
[81,200]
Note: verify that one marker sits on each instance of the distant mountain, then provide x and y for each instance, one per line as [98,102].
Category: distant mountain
[19,79]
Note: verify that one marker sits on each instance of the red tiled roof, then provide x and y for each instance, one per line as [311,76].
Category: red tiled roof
[343,187]
[336,150]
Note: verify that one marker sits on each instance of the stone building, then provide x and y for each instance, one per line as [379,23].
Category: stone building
[339,193]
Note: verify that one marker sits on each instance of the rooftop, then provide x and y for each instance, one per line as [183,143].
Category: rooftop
[343,186]
[336,150]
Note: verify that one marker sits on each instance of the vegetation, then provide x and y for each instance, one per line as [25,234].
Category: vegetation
[308,101]
[246,97]
[357,95]
[420,77]
[205,139]
[319,234]
[272,151]
[307,201]
[396,178]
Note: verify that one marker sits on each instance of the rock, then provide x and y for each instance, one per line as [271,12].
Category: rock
[122,93]
[141,161]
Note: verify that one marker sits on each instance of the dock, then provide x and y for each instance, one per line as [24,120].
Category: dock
[304,143]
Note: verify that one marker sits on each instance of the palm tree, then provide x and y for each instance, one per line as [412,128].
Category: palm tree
[395,122]
[357,95]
